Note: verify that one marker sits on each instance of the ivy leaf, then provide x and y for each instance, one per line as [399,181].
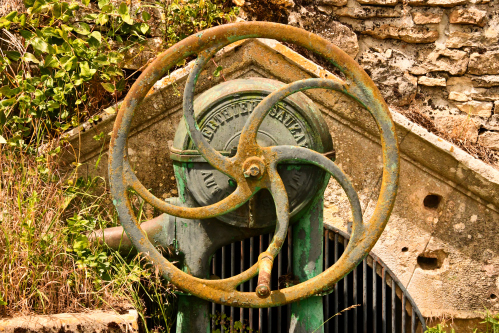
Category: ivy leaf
[102,60]
[68,62]
[3,120]
[102,3]
[80,243]
[125,16]
[2,141]
[13,55]
[217,71]
[11,16]
[102,19]
[86,71]
[120,85]
[123,9]
[144,28]
[96,35]
[51,61]
[26,34]
[59,74]
[146,16]
[53,105]
[37,6]
[86,2]
[108,86]
[82,29]
[57,10]
[40,45]
[107,9]
[30,58]
[7,102]
[7,92]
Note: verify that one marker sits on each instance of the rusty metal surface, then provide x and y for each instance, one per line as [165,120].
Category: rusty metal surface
[356,85]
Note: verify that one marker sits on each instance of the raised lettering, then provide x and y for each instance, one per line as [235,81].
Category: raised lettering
[208,134]
[281,116]
[209,181]
[219,118]
[226,113]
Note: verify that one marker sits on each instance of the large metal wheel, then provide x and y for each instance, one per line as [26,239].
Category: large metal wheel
[254,167]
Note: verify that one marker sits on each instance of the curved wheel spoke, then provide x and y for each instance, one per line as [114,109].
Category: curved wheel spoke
[213,157]
[281,201]
[235,200]
[249,132]
[293,153]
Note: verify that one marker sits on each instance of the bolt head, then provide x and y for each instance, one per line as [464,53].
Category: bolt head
[263,291]
[252,171]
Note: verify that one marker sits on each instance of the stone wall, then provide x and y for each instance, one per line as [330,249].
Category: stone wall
[447,206]
[440,57]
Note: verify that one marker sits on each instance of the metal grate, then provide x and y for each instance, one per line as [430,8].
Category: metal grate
[380,295]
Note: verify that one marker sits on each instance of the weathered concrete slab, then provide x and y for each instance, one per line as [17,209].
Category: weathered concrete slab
[441,239]
[90,322]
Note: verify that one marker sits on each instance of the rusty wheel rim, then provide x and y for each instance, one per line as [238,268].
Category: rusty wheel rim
[357,85]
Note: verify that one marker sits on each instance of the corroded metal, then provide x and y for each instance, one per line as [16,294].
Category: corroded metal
[357,85]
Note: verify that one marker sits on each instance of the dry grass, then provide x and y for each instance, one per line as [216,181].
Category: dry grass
[40,273]
[456,136]
[7,6]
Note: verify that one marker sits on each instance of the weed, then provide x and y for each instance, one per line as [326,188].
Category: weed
[491,325]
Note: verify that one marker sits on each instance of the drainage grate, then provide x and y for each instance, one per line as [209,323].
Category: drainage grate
[380,295]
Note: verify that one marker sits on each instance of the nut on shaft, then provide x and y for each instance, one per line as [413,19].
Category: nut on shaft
[265,263]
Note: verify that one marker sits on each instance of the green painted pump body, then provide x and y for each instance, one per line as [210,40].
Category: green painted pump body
[221,113]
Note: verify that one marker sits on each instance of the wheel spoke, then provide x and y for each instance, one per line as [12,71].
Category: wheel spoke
[266,259]
[249,132]
[304,155]
[235,200]
[212,156]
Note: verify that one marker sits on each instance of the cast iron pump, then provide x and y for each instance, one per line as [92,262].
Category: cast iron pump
[250,156]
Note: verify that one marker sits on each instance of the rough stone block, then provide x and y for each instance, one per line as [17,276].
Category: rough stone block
[432,81]
[486,63]
[426,18]
[468,16]
[412,35]
[437,3]
[458,39]
[461,127]
[476,108]
[341,36]
[379,2]
[485,94]
[93,321]
[453,61]
[337,3]
[368,12]
[485,81]
[325,9]
[490,140]
[459,96]
[396,85]
[283,3]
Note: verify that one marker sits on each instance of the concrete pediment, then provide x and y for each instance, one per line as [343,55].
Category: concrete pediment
[441,240]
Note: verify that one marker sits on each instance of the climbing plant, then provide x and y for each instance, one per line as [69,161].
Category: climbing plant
[61,62]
